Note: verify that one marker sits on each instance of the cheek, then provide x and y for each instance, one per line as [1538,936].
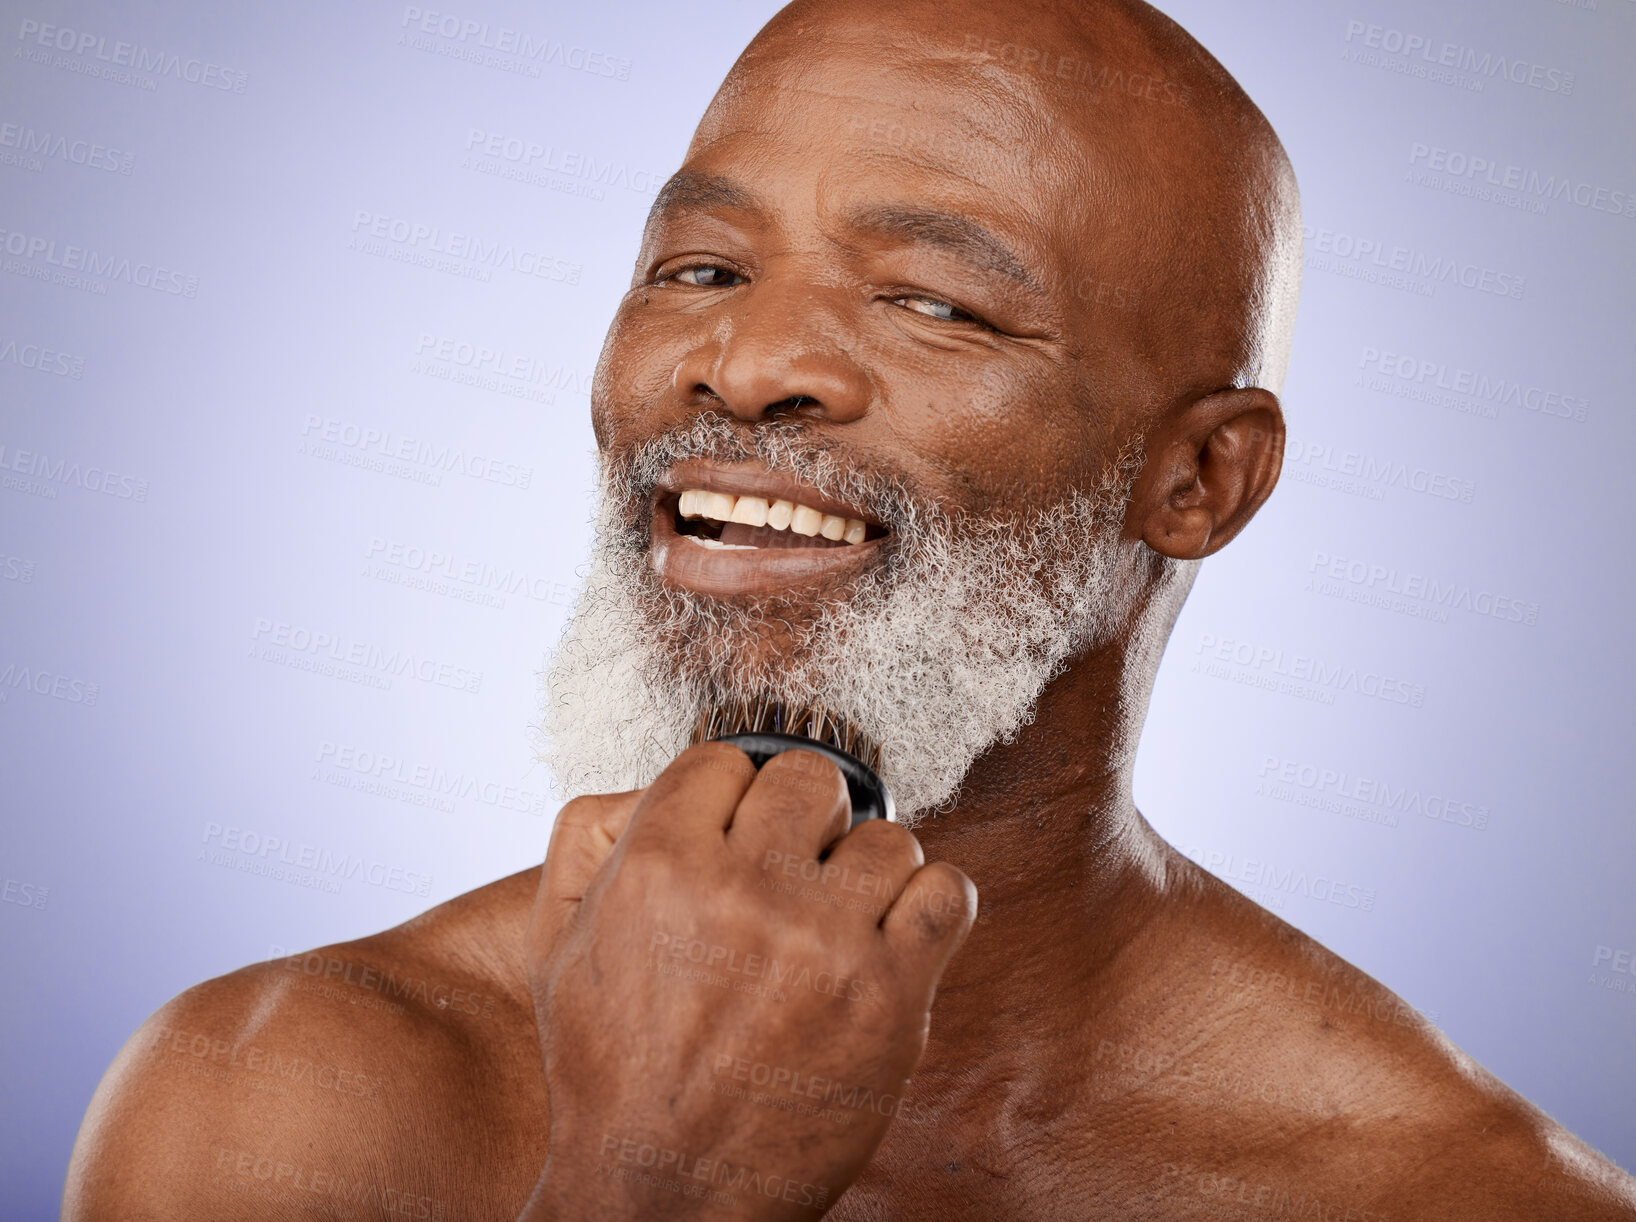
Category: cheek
[998,437]
[633,376]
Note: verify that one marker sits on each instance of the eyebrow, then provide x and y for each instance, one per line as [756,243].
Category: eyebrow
[960,235]
[692,189]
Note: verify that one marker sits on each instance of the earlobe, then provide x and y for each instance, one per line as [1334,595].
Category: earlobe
[1211,466]
[1181,534]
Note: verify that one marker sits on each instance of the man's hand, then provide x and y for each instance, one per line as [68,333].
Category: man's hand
[731,989]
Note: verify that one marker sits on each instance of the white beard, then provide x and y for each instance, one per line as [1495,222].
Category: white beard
[937,654]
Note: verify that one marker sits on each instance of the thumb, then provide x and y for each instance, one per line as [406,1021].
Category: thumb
[583,836]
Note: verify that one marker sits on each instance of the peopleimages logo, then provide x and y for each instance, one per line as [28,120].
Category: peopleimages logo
[1326,784]
[24,678]
[276,851]
[432,246]
[351,444]
[322,652]
[24,894]
[1509,177]
[57,147]
[16,568]
[550,159]
[473,38]
[116,55]
[488,366]
[1615,959]
[1371,259]
[1273,668]
[48,473]
[390,769]
[1249,873]
[1475,392]
[1443,54]
[1447,594]
[477,575]
[1370,474]
[1115,78]
[42,359]
[70,259]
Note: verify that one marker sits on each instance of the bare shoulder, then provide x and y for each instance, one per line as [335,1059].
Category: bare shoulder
[1525,1167]
[342,1082]
[1304,1083]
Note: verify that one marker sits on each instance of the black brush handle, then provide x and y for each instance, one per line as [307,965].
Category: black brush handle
[870,797]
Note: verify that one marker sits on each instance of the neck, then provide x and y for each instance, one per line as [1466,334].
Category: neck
[1067,871]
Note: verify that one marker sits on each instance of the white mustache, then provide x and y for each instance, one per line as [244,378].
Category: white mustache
[790,449]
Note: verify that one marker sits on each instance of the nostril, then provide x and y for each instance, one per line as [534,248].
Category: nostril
[793,402]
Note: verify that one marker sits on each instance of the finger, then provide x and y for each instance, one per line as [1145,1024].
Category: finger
[581,839]
[931,917]
[797,804]
[869,866]
[696,794]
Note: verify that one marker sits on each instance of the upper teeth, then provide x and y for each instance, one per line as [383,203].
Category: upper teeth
[780,515]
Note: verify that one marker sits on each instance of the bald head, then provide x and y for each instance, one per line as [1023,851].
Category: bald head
[1178,206]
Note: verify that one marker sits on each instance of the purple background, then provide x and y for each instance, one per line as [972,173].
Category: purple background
[170,700]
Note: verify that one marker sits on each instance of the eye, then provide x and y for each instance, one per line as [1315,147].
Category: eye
[707,276]
[933,308]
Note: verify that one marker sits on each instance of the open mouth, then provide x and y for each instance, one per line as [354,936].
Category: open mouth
[739,529]
[723,521]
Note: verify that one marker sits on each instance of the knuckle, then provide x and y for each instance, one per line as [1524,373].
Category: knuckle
[650,875]
[580,811]
[694,765]
[805,777]
[648,860]
[942,900]
[887,842]
[804,944]
[951,878]
[737,908]
[660,856]
[715,757]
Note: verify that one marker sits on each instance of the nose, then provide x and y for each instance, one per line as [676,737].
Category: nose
[772,350]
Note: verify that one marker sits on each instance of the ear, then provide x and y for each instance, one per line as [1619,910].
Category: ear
[1209,468]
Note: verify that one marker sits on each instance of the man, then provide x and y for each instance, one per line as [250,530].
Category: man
[951,351]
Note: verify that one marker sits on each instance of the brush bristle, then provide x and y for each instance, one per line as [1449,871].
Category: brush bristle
[765,715]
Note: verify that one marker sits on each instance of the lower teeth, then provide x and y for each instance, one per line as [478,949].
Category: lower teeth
[706,541]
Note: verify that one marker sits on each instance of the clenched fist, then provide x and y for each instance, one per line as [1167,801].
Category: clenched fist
[731,988]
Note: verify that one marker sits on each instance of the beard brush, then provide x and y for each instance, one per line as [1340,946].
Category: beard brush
[763,727]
